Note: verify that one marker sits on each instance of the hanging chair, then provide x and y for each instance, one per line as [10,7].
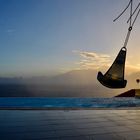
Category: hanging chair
[114,77]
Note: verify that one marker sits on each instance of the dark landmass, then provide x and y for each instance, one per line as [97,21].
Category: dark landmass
[76,83]
[130,93]
[20,90]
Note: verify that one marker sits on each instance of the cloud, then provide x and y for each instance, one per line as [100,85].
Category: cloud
[92,60]
[132,68]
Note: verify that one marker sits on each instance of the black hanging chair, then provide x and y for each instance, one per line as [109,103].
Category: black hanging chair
[114,77]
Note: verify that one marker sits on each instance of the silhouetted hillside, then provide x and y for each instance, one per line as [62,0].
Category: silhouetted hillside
[77,83]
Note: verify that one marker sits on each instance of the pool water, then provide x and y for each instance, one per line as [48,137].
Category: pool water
[43,102]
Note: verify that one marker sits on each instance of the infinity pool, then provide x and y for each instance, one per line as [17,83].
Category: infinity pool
[35,102]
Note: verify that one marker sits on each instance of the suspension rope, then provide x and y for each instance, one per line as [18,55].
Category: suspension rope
[123,11]
[131,8]
[131,23]
[127,37]
[135,18]
[133,12]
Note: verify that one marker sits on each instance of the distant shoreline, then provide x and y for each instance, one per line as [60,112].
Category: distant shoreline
[69,108]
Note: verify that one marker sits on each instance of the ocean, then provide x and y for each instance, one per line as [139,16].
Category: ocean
[57,103]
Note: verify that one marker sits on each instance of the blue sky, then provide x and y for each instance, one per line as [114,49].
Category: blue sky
[46,37]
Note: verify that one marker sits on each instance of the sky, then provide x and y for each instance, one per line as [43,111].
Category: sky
[49,37]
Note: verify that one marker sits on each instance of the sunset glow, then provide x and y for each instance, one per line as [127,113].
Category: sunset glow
[44,37]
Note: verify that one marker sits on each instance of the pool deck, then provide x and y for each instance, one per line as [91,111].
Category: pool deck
[70,124]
